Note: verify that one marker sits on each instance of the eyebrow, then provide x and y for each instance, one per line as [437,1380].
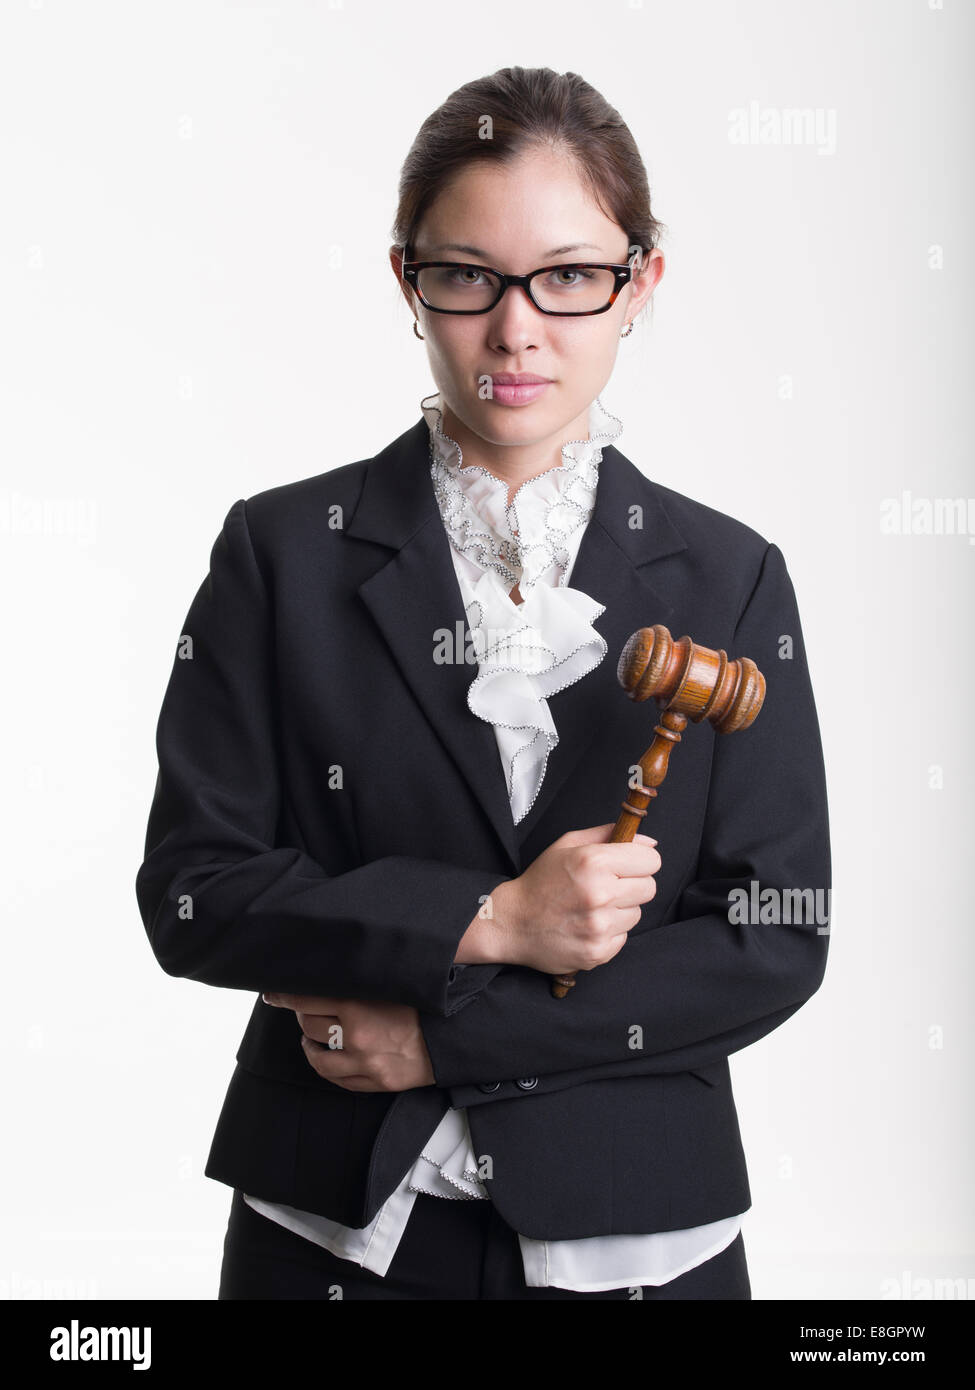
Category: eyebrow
[476,250]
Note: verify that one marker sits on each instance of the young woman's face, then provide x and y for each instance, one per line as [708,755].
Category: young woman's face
[518,217]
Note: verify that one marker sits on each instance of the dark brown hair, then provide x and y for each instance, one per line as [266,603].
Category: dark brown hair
[529,108]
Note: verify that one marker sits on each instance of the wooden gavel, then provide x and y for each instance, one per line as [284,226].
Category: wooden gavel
[689,683]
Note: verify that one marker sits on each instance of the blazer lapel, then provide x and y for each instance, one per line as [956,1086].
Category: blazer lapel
[417,603]
[611,568]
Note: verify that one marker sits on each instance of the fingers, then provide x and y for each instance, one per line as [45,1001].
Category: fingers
[315,1014]
[330,1062]
[634,890]
[303,1003]
[636,859]
[591,835]
[322,1047]
[322,1028]
[336,1066]
[599,835]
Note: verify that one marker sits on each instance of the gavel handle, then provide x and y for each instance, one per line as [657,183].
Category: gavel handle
[653,770]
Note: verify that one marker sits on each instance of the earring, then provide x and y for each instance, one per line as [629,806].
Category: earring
[628,330]
[417,332]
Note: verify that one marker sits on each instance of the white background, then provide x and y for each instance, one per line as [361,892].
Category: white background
[197,305]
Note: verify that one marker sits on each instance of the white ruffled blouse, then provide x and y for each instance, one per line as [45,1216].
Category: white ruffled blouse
[526,652]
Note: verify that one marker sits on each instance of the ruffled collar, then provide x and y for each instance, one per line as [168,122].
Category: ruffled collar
[529,651]
[528,540]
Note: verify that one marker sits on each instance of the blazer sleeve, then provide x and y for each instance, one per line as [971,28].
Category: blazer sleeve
[221,901]
[688,992]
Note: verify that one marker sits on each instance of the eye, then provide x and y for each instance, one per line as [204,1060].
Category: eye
[572,270]
[458,274]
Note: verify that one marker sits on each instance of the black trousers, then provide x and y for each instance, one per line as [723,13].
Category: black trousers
[449,1250]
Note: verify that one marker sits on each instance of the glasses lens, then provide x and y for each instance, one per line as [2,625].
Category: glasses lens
[564,290]
[573,289]
[458,286]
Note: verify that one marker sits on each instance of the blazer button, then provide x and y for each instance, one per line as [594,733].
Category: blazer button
[488,1086]
[527,1083]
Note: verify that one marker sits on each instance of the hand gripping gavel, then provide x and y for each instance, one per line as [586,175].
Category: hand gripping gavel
[689,683]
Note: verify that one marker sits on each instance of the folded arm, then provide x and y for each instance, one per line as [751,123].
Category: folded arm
[689,988]
[225,905]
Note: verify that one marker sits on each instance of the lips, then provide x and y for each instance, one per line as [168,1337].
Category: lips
[518,379]
[517,390]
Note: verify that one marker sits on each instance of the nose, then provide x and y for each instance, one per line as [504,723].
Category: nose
[515,321]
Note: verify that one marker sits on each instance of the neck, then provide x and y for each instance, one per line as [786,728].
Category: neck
[513,463]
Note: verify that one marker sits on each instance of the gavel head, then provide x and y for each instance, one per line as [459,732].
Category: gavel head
[691,680]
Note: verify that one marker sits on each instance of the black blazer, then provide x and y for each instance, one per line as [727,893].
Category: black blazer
[329,816]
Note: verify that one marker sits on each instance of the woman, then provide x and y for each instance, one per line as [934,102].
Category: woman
[389,770]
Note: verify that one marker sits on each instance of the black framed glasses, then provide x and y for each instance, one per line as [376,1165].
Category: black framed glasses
[456,287]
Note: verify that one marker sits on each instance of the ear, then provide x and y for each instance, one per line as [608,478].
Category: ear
[396,261]
[644,282]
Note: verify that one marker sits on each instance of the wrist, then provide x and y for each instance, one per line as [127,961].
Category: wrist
[489,938]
